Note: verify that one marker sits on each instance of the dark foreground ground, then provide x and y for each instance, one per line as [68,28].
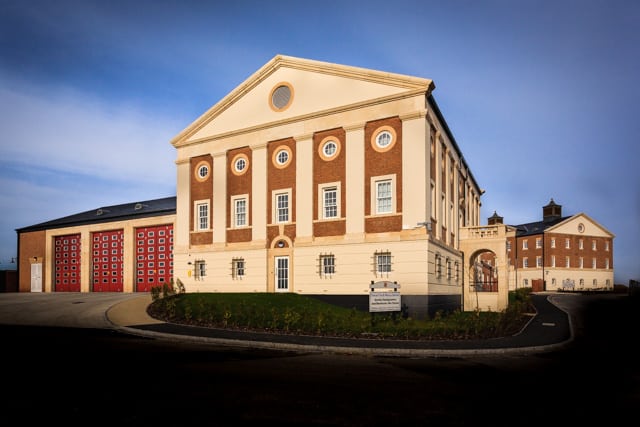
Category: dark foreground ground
[101,377]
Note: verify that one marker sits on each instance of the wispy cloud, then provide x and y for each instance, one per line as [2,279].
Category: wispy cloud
[68,131]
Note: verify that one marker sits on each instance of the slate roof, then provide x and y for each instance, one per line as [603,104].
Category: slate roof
[538,227]
[142,209]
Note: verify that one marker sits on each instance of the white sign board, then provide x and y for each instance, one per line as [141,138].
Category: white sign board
[384,301]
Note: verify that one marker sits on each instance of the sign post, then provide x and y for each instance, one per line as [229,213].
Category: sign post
[384,297]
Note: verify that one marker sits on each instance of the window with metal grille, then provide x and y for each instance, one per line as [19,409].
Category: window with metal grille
[327,265]
[383,262]
[200,269]
[237,268]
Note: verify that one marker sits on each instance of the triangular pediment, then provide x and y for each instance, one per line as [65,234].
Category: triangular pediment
[580,224]
[310,88]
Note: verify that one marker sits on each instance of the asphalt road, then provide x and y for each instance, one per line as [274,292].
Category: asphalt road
[79,372]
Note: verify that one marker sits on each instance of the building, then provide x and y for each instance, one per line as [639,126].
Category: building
[560,253]
[319,179]
[121,248]
[324,180]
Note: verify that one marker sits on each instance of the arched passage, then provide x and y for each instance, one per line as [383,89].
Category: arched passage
[485,257]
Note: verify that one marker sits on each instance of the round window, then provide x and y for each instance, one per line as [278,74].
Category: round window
[329,148]
[202,171]
[240,163]
[281,97]
[383,139]
[281,157]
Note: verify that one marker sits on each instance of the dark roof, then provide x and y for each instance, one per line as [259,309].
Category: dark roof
[147,208]
[537,227]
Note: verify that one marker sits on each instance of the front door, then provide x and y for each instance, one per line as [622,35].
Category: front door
[281,273]
[36,277]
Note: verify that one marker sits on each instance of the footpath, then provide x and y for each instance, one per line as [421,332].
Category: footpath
[549,329]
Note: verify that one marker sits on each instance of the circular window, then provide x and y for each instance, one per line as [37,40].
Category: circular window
[281,156]
[581,228]
[281,97]
[383,139]
[202,171]
[239,164]
[329,148]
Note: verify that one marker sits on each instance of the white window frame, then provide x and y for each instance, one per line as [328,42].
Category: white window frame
[525,262]
[538,242]
[375,180]
[538,261]
[594,245]
[525,244]
[235,200]
[199,218]
[276,210]
[567,262]
[553,242]
[322,206]
[553,260]
[567,244]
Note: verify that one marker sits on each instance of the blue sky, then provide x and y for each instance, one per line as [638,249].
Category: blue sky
[541,96]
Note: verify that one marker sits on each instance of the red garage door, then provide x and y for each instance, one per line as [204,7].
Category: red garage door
[108,264]
[154,256]
[67,263]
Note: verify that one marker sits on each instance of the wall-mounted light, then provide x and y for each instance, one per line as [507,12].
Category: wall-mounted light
[426,224]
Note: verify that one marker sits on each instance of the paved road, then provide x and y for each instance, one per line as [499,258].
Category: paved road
[88,374]
[548,330]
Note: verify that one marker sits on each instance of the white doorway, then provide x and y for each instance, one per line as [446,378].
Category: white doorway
[36,277]
[281,269]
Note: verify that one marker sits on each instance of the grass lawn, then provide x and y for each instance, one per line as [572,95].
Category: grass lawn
[292,313]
